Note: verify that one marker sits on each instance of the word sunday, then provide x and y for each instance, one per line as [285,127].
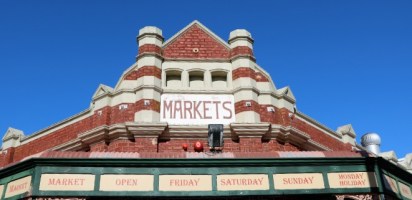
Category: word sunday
[292,181]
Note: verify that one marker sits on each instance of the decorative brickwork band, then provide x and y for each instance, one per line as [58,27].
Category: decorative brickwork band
[150,48]
[241,50]
[144,71]
[248,72]
[259,77]
[241,106]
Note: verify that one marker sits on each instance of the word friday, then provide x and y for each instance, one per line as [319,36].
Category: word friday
[184,182]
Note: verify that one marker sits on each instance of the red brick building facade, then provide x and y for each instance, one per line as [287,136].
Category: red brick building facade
[283,129]
[163,103]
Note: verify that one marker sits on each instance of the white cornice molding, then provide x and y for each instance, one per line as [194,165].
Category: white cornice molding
[273,93]
[177,91]
[118,131]
[191,132]
[254,89]
[72,145]
[145,129]
[95,135]
[312,145]
[161,130]
[293,134]
[250,130]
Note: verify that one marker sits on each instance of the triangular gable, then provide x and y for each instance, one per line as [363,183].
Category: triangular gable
[346,130]
[287,91]
[196,41]
[102,89]
[13,133]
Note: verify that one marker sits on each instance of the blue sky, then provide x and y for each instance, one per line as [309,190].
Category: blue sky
[346,61]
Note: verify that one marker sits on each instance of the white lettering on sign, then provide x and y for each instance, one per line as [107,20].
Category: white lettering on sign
[185,183]
[242,182]
[405,190]
[352,180]
[18,186]
[67,182]
[114,182]
[183,109]
[390,183]
[298,181]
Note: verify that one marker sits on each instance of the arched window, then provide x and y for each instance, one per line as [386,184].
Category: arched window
[173,78]
[196,79]
[219,79]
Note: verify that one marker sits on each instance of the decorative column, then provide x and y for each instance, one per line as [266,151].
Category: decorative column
[243,76]
[185,79]
[207,77]
[149,72]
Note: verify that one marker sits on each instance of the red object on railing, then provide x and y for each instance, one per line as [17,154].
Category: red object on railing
[198,146]
[184,146]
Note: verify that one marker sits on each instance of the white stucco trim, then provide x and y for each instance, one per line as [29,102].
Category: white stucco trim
[238,43]
[150,40]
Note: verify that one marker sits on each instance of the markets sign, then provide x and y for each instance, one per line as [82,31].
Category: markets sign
[189,109]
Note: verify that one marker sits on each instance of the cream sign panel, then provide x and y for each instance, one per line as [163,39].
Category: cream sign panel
[352,180]
[18,186]
[405,190]
[112,182]
[298,181]
[242,182]
[67,182]
[185,109]
[390,183]
[185,183]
